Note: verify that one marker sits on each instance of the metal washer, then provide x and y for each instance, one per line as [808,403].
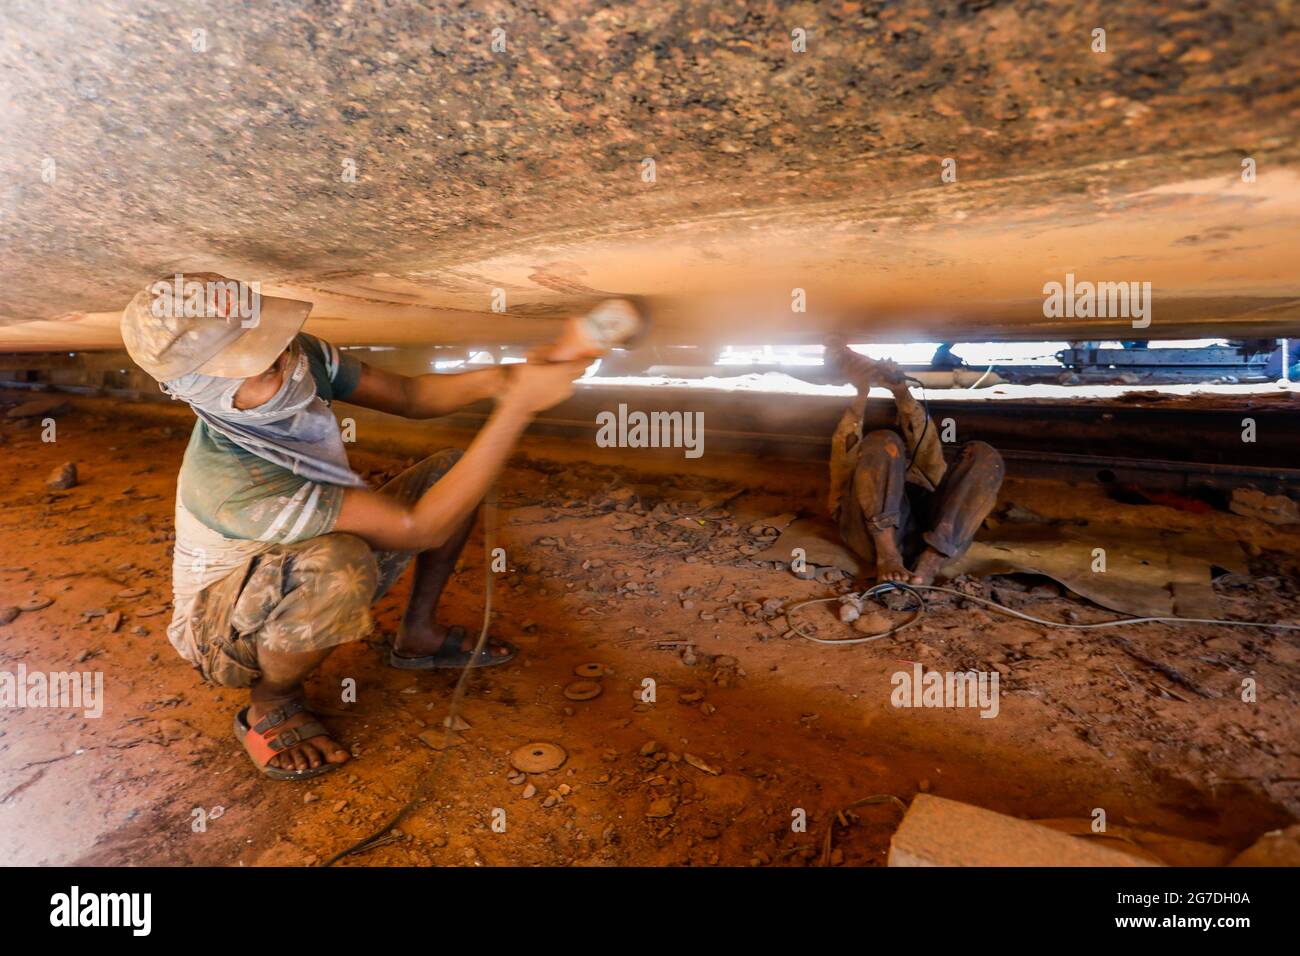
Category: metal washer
[582,690]
[538,757]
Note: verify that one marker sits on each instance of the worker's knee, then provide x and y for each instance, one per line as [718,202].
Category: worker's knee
[984,459]
[344,562]
[439,463]
[882,443]
[309,596]
[433,469]
[332,580]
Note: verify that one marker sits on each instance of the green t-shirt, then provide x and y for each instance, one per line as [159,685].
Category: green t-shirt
[241,495]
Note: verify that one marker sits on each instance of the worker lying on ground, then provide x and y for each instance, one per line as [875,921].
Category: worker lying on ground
[280,547]
[895,499]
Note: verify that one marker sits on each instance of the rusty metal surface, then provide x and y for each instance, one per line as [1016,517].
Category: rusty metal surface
[523,169]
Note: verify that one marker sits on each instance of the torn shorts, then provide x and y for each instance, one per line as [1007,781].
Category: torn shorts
[307,596]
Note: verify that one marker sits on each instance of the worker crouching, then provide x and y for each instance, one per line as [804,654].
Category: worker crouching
[281,548]
[896,501]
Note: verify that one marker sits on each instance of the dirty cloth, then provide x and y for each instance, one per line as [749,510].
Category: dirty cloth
[1147,574]
[1131,570]
[306,596]
[294,429]
[818,540]
[946,519]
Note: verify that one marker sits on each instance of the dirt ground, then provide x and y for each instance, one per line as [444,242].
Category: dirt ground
[646,571]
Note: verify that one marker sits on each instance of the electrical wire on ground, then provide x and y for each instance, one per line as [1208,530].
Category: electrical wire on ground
[914,591]
[425,788]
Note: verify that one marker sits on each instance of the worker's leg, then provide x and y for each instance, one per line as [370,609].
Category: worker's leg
[965,497]
[296,604]
[283,673]
[419,633]
[873,514]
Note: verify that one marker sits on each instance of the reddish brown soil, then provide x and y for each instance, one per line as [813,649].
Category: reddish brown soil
[789,724]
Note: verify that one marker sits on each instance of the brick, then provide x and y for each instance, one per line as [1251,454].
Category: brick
[939,832]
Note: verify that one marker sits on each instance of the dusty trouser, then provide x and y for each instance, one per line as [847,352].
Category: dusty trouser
[303,597]
[879,498]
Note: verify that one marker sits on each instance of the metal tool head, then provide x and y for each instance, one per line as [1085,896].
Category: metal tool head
[613,322]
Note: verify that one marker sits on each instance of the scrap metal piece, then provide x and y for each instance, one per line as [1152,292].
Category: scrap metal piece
[538,757]
[583,690]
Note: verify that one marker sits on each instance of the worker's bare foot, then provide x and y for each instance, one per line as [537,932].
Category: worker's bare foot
[429,640]
[927,566]
[889,563]
[310,753]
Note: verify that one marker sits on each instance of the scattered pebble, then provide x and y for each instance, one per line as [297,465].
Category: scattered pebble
[63,477]
[663,807]
[700,764]
[438,739]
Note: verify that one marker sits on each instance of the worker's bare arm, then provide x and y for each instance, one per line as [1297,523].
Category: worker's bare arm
[389,525]
[865,373]
[425,396]
[903,398]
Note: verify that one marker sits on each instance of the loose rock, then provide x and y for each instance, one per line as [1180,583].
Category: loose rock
[63,477]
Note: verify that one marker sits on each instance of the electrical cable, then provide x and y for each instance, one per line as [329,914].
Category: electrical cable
[986,374]
[914,590]
[925,429]
[610,323]
[425,789]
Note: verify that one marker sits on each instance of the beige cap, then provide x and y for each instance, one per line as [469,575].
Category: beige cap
[171,327]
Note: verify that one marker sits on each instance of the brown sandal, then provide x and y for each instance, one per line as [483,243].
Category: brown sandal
[263,742]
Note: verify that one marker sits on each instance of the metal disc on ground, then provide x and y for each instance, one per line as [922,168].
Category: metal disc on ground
[582,690]
[590,670]
[538,757]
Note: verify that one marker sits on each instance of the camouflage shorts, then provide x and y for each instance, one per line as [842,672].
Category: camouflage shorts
[302,597]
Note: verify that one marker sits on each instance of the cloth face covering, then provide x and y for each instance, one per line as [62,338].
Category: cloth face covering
[294,429]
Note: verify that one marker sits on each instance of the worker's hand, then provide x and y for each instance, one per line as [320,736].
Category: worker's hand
[550,352]
[887,372]
[863,372]
[838,360]
[534,387]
